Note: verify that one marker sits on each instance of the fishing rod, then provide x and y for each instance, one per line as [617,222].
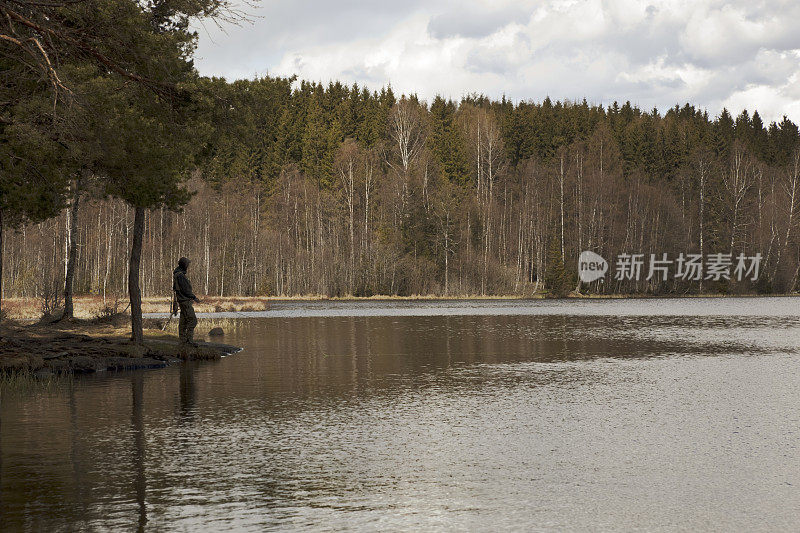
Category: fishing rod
[173,311]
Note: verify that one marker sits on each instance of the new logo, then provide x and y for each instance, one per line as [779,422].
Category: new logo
[591,267]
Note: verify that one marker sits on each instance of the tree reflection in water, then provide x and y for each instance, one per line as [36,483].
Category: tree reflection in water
[139,443]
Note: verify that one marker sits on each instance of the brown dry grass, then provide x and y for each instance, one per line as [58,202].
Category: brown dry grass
[204,325]
[87,307]
[93,306]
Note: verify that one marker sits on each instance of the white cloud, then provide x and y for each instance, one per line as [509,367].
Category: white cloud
[776,101]
[711,53]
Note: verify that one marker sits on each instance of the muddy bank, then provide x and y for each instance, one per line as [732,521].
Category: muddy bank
[84,347]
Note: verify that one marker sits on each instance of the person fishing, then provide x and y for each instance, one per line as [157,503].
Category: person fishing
[186,298]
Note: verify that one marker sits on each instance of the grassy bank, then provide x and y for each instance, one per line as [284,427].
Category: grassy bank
[25,381]
[93,307]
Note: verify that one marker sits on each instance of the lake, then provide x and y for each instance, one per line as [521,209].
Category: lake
[471,415]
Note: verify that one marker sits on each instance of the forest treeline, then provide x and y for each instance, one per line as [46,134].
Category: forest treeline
[119,160]
[305,189]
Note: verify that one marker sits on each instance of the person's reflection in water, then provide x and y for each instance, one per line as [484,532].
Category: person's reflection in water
[137,422]
[82,488]
[187,392]
[2,506]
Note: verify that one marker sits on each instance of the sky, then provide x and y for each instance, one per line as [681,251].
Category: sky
[713,54]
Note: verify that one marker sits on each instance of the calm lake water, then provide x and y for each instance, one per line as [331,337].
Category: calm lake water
[485,416]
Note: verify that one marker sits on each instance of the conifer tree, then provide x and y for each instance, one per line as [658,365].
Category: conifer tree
[33,180]
[557,280]
[446,142]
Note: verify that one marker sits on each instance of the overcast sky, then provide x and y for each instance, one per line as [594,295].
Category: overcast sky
[737,54]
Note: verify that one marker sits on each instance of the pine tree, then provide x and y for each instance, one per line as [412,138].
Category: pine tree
[446,142]
[315,142]
[33,174]
[557,280]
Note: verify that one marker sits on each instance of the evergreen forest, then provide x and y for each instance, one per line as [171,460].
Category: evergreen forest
[116,155]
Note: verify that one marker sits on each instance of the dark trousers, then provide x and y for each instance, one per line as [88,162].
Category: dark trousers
[187,322]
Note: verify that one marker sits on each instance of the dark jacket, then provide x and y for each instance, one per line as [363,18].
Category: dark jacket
[181,285]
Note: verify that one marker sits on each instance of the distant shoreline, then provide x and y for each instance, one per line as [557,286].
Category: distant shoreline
[89,307]
[505,297]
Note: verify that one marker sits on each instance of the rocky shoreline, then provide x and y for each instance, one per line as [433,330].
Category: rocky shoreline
[45,351]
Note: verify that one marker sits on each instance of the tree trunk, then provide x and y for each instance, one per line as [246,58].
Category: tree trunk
[69,280]
[351,189]
[135,293]
[446,251]
[702,215]
[109,237]
[561,183]
[579,208]
[791,191]
[207,255]
[1,263]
